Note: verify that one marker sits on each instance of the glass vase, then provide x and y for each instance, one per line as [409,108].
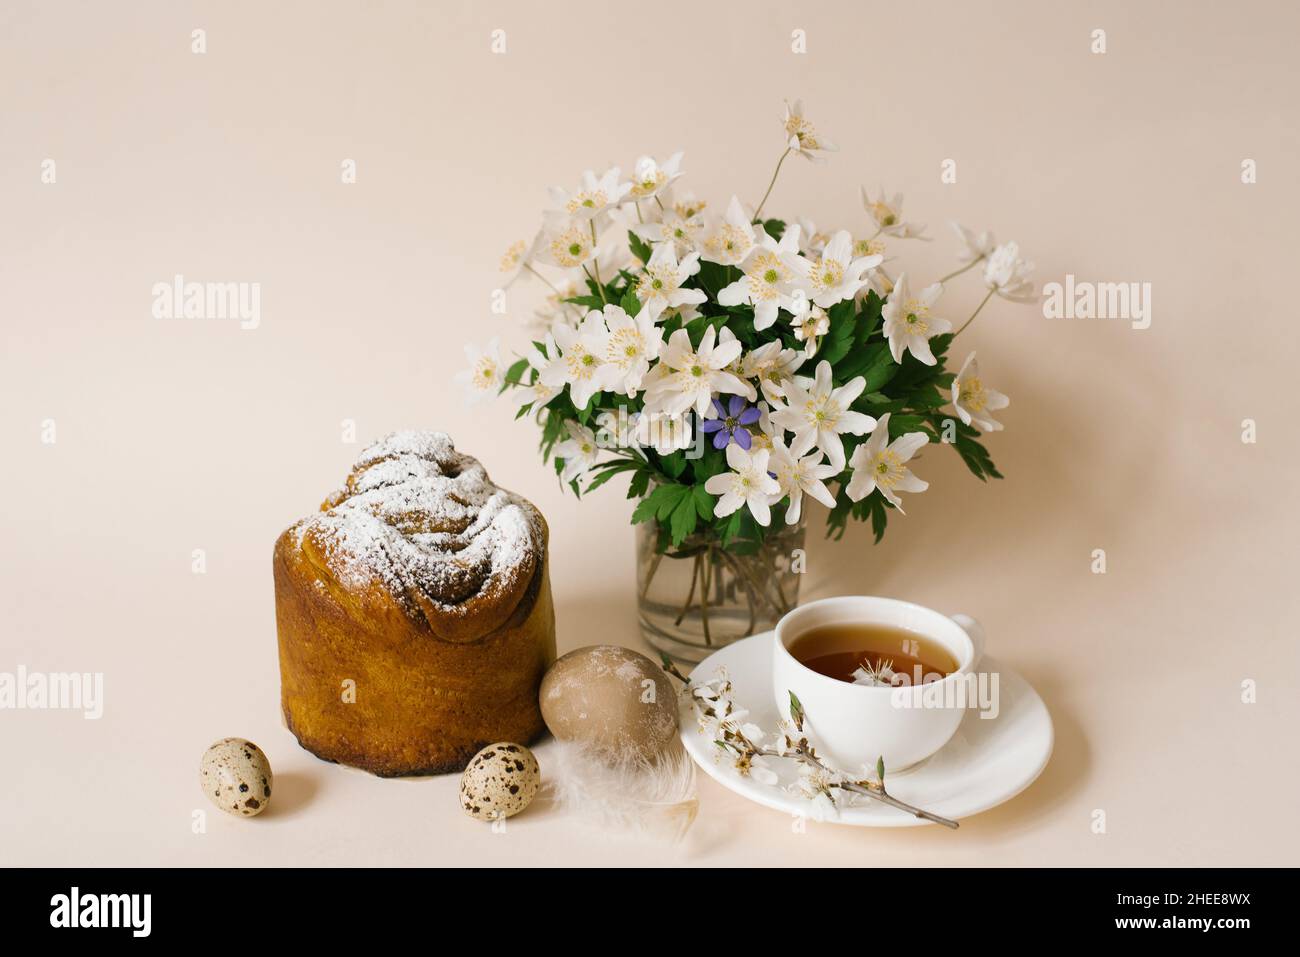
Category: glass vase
[699,596]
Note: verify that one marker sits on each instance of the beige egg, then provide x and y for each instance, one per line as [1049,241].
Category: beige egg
[612,699]
[499,782]
[236,776]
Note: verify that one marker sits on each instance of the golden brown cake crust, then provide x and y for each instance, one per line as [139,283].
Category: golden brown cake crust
[426,587]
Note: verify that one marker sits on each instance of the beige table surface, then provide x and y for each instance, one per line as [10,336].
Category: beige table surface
[175,436]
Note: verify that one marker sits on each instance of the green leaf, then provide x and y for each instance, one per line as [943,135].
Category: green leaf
[664,497]
[515,374]
[703,503]
[591,302]
[683,519]
[630,303]
[673,465]
[712,277]
[902,424]
[869,317]
[607,470]
[730,529]
[873,362]
[879,514]
[969,447]
[638,485]
[880,770]
[797,714]
[640,248]
[926,397]
[839,339]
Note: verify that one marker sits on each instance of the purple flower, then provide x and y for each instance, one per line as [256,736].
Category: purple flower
[730,424]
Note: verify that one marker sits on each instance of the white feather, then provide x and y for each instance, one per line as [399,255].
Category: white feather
[632,795]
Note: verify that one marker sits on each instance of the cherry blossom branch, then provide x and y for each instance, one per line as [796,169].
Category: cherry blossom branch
[797,748]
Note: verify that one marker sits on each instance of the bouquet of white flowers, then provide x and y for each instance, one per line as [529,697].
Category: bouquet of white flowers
[733,364]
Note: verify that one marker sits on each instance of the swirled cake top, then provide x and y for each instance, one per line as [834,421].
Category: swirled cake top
[426,524]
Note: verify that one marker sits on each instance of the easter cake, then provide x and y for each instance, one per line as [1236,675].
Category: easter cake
[414,613]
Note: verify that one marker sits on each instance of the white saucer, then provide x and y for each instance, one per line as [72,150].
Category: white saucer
[988,761]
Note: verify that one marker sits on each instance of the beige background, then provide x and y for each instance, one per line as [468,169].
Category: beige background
[174,436]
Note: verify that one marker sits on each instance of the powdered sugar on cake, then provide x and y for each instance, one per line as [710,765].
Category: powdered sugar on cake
[426,523]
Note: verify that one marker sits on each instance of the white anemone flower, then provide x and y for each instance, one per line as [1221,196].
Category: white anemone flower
[660,286]
[687,378]
[687,205]
[811,242]
[594,196]
[747,484]
[818,414]
[810,324]
[681,231]
[579,451]
[729,240]
[910,321]
[802,136]
[887,213]
[973,400]
[631,346]
[768,283]
[837,276]
[518,258]
[582,366]
[773,366]
[566,242]
[664,433]
[880,464]
[485,373]
[1008,275]
[650,179]
[974,246]
[539,393]
[763,434]
[554,309]
[799,475]
[868,247]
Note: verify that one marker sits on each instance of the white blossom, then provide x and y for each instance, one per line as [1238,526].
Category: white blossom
[818,413]
[1008,275]
[974,247]
[747,484]
[582,366]
[687,378]
[485,374]
[651,179]
[910,322]
[799,475]
[660,286]
[973,400]
[579,450]
[880,464]
[836,276]
[593,197]
[729,240]
[887,213]
[802,136]
[769,277]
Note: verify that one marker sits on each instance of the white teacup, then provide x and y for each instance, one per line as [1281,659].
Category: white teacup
[853,725]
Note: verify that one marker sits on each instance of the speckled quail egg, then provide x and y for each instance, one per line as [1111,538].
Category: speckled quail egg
[235,774]
[499,782]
